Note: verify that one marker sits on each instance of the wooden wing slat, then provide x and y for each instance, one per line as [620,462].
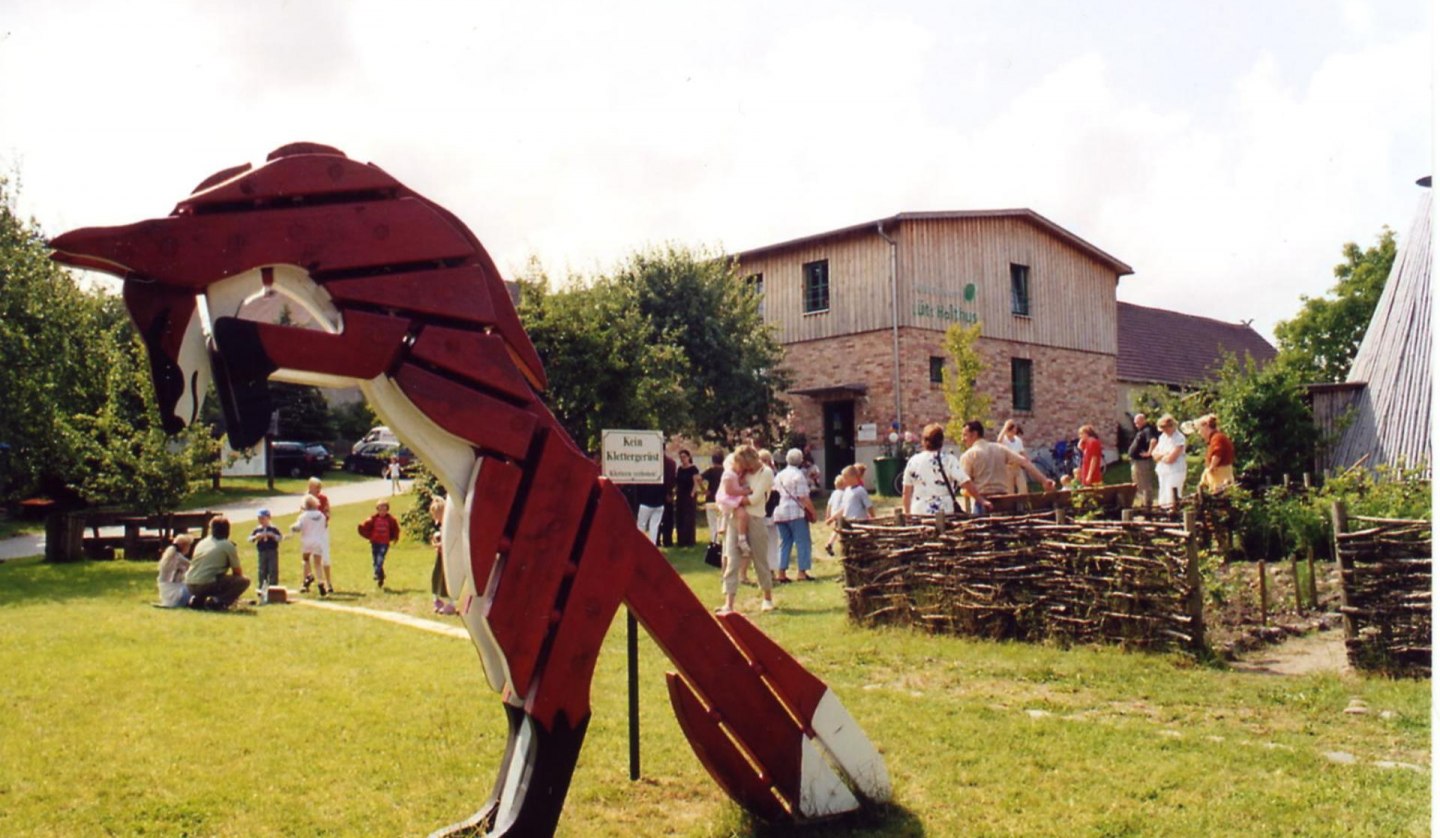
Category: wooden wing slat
[526,592]
[451,293]
[479,357]
[492,497]
[297,176]
[705,654]
[473,416]
[600,581]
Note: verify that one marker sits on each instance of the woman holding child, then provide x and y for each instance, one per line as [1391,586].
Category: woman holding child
[744,489]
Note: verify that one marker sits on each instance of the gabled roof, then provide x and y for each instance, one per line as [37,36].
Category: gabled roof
[1168,347]
[889,224]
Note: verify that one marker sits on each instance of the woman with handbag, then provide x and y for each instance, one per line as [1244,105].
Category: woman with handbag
[793,516]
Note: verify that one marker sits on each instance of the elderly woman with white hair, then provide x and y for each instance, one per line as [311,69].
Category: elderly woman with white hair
[1168,452]
[793,516]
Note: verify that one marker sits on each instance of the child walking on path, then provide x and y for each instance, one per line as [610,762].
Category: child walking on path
[266,539]
[382,530]
[314,545]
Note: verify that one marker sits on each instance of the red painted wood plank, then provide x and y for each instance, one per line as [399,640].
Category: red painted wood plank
[711,662]
[522,609]
[491,499]
[719,755]
[563,686]
[797,687]
[479,357]
[453,293]
[192,251]
[368,346]
[485,421]
[297,176]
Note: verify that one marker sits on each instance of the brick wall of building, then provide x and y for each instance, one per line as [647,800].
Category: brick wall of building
[1069,387]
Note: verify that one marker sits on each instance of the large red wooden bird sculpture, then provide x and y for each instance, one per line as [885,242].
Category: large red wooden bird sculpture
[541,549]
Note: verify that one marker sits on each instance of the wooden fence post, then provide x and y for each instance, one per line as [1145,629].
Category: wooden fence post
[1059,514]
[1195,603]
[1127,515]
[1310,570]
[1264,591]
[1339,521]
[1295,575]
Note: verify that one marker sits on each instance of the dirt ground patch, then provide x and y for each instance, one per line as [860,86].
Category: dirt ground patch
[1293,637]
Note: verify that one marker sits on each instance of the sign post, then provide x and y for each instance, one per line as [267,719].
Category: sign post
[633,457]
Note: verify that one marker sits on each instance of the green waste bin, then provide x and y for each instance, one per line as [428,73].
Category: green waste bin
[887,476]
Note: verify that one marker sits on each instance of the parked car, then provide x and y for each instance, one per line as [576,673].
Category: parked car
[299,459]
[379,433]
[372,457]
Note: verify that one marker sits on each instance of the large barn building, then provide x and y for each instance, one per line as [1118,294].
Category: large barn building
[862,313]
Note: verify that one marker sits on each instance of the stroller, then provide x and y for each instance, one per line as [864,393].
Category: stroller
[1062,459]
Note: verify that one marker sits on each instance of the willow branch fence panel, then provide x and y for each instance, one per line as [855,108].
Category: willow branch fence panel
[1028,577]
[1385,569]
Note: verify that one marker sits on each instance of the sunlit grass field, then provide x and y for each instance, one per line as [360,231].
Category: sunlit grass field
[123,719]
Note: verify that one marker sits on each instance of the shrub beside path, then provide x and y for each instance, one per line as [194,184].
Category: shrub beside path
[33,544]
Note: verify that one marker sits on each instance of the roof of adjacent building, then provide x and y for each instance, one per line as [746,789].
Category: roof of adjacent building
[1169,347]
[1121,269]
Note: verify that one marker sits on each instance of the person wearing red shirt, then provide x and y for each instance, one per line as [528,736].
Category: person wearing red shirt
[1092,452]
[1219,455]
[382,530]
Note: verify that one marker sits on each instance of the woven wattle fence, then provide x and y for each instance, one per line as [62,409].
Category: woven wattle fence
[1028,577]
[1385,567]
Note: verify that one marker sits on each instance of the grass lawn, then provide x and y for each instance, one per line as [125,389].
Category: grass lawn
[124,719]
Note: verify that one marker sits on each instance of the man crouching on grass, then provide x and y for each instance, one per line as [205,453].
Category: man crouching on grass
[206,578]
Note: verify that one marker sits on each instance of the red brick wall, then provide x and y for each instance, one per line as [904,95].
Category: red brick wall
[1069,387]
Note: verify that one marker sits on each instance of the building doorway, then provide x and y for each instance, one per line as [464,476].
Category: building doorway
[839,423]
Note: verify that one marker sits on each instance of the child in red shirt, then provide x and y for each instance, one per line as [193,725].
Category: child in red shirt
[382,530]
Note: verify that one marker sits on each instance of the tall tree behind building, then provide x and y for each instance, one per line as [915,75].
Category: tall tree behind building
[1320,342]
[671,341]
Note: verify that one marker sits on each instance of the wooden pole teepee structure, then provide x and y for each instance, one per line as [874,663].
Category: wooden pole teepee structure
[1387,393]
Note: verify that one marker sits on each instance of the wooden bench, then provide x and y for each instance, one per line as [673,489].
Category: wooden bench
[144,536]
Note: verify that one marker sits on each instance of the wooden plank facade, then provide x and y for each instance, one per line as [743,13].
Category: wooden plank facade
[862,349]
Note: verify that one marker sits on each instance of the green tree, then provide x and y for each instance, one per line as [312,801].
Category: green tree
[672,341]
[1321,340]
[1264,410]
[304,413]
[958,379]
[79,419]
[694,301]
[605,367]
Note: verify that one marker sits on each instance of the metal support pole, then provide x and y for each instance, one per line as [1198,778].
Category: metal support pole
[632,652]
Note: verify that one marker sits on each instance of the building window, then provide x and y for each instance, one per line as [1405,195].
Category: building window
[1020,384]
[1020,289]
[937,369]
[817,286]
[756,284]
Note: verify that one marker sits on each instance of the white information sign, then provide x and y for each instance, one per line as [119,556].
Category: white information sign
[865,432]
[633,456]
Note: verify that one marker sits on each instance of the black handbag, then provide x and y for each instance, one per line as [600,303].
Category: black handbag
[712,554]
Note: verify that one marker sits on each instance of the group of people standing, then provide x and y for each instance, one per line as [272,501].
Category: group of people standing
[1157,459]
[760,518]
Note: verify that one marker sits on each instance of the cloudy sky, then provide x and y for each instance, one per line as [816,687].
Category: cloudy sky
[1225,149]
